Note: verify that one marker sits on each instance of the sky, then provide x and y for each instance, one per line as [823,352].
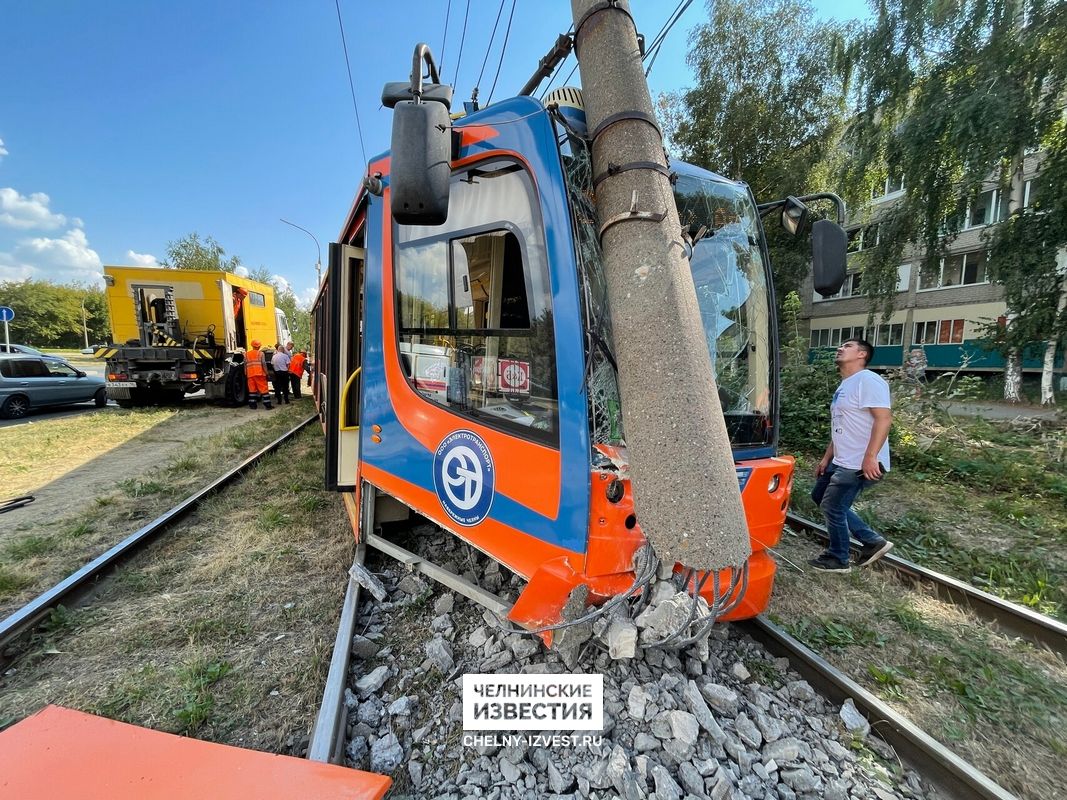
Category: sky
[128,124]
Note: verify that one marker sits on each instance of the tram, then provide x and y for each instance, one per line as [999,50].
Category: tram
[464,369]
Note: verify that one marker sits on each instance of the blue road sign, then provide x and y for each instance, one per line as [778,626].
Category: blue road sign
[6,314]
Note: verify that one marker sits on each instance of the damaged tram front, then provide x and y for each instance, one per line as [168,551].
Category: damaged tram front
[466,368]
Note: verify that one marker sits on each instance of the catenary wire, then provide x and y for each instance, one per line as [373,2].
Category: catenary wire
[351,84]
[503,49]
[444,36]
[489,46]
[462,41]
[682,7]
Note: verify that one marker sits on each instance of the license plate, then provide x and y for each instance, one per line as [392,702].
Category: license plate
[121,385]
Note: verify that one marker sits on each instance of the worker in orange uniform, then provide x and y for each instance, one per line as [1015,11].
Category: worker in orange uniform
[298,365]
[256,374]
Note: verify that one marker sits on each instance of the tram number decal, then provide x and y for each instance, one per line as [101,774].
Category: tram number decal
[743,474]
[464,477]
[514,375]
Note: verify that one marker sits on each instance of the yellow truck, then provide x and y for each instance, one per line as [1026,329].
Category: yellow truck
[177,331]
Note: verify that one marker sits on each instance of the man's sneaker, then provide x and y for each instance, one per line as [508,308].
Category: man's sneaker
[827,563]
[869,553]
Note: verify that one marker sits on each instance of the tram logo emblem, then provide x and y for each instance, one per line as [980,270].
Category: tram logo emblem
[464,477]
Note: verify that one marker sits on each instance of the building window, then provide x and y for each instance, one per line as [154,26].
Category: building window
[989,207]
[257,299]
[852,287]
[863,238]
[475,305]
[946,331]
[961,269]
[891,335]
[832,337]
[1032,192]
[892,185]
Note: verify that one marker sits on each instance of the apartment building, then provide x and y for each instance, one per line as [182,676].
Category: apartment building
[943,311]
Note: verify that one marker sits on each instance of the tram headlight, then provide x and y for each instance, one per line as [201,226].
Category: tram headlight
[774,483]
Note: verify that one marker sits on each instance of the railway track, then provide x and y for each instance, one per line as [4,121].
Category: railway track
[951,776]
[1010,618]
[79,584]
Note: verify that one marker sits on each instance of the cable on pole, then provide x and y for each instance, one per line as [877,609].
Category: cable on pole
[351,84]
[503,50]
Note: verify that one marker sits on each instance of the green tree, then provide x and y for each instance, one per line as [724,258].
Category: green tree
[299,317]
[50,315]
[767,108]
[953,95]
[190,252]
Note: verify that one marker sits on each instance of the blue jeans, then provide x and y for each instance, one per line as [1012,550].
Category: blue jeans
[835,491]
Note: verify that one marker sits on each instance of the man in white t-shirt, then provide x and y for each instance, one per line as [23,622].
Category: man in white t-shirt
[857,456]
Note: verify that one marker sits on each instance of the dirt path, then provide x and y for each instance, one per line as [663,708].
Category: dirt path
[133,459]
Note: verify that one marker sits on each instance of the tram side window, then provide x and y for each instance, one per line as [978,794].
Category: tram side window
[476,330]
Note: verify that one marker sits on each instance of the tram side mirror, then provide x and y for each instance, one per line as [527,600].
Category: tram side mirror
[420,163]
[829,254]
[795,217]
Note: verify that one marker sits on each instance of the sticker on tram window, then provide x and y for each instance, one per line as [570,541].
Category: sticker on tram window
[464,477]
[514,376]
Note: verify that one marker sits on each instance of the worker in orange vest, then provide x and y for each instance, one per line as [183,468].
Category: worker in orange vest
[298,365]
[256,375]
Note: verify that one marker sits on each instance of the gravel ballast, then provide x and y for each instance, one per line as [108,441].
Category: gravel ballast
[720,719]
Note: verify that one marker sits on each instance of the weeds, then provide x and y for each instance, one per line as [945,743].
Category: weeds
[834,634]
[12,581]
[137,488]
[30,547]
[197,679]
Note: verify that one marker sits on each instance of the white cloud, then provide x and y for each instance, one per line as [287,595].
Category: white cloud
[3,150]
[281,284]
[68,259]
[21,211]
[241,272]
[141,259]
[306,297]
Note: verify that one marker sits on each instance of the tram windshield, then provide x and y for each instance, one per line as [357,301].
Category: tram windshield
[731,284]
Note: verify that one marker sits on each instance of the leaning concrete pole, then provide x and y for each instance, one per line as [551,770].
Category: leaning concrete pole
[685,487]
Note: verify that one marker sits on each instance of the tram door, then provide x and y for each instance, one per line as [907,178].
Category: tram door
[345,298]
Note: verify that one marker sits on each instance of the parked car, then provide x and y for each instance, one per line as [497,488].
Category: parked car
[28,381]
[20,348]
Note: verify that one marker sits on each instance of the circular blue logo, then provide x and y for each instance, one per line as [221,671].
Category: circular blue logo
[463,477]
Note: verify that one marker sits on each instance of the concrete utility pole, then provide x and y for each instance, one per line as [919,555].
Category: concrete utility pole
[685,488]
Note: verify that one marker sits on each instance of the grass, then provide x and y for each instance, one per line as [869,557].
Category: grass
[28,547]
[222,630]
[999,701]
[40,552]
[37,454]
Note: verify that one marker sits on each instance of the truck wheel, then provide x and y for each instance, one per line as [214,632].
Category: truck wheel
[236,388]
[100,398]
[15,407]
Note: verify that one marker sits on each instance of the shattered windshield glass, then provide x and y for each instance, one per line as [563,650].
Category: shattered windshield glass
[731,285]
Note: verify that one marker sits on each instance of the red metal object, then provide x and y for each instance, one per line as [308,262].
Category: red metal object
[61,753]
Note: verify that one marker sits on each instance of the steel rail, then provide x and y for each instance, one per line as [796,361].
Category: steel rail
[952,775]
[327,737]
[1009,617]
[37,609]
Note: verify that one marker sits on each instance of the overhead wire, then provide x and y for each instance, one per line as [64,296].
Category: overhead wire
[657,44]
[489,47]
[444,36]
[351,83]
[462,41]
[503,49]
